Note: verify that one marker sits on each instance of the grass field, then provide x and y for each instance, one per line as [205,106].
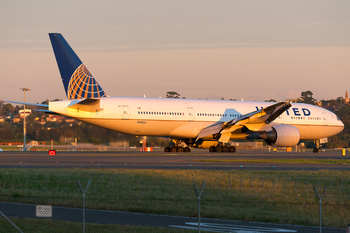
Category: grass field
[268,196]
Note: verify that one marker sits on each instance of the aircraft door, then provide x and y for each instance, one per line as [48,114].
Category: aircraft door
[190,113]
[324,119]
[125,112]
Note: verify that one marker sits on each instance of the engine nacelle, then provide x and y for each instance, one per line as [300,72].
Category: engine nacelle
[282,135]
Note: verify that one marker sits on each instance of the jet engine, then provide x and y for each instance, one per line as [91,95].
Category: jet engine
[282,135]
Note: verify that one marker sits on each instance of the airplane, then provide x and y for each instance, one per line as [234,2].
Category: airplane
[189,122]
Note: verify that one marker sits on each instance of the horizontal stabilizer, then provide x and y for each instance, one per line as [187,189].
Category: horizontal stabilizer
[40,105]
[87,105]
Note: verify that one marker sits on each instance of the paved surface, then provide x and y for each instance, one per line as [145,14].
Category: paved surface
[161,160]
[125,218]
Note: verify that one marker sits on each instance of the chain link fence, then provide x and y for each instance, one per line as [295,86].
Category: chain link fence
[123,198]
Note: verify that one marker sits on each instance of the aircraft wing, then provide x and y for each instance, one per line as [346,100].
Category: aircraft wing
[265,116]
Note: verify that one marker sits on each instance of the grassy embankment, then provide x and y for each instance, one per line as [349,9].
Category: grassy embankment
[267,196]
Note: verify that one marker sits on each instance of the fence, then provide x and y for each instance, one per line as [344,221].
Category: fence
[289,200]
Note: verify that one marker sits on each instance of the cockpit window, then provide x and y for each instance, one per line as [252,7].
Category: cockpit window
[338,119]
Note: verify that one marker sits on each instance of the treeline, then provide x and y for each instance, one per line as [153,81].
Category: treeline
[341,140]
[92,134]
[85,133]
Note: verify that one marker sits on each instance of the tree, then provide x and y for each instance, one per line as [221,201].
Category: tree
[270,100]
[334,103]
[2,104]
[7,108]
[45,101]
[172,94]
[340,100]
[306,97]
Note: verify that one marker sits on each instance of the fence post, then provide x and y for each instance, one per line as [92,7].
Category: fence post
[320,201]
[83,192]
[199,204]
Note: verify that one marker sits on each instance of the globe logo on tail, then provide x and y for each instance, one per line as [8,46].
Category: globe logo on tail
[83,85]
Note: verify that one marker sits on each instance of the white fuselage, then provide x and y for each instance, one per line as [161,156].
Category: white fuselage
[185,118]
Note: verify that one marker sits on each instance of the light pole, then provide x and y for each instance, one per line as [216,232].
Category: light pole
[24,89]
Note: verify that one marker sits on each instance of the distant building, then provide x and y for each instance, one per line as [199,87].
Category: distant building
[120,144]
[27,112]
[42,122]
[16,118]
[346,100]
[248,144]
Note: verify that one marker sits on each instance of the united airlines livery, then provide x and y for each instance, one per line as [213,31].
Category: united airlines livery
[191,123]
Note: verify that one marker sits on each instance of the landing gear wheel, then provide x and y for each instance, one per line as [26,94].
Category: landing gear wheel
[173,149]
[225,149]
[180,149]
[218,149]
[317,148]
[232,149]
[212,149]
[167,149]
[187,149]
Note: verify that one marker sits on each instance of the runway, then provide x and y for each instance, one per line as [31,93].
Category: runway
[161,160]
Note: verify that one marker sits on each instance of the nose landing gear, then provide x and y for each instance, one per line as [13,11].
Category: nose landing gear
[317,148]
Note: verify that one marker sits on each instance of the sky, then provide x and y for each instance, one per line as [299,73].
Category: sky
[255,50]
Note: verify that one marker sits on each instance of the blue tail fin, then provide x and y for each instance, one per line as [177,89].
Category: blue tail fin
[77,80]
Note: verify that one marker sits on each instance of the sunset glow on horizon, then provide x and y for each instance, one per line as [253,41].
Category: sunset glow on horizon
[201,49]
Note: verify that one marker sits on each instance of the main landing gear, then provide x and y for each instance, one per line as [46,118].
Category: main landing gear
[180,146]
[220,148]
[317,148]
[175,149]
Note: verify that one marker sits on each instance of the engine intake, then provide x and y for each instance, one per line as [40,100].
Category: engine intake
[282,135]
